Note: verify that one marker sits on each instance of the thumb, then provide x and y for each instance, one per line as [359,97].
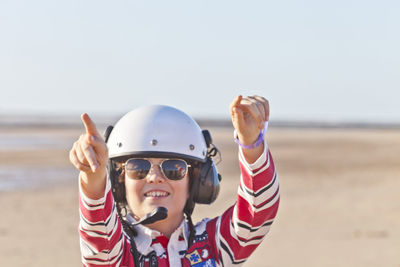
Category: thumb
[238,117]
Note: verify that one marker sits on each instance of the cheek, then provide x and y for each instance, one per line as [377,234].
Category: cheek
[132,189]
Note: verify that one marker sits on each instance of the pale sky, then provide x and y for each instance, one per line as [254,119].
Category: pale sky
[314,60]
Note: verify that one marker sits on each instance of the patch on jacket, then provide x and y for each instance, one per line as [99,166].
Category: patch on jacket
[200,257]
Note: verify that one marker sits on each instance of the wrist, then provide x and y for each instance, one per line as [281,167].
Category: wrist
[93,186]
[259,140]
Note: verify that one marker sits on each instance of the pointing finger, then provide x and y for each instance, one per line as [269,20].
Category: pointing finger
[89,125]
[99,146]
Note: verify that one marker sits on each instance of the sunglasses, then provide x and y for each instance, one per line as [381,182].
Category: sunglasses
[173,169]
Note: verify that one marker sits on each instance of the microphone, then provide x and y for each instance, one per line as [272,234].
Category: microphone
[157,214]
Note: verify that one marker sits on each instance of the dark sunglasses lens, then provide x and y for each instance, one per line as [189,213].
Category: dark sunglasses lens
[174,169]
[137,168]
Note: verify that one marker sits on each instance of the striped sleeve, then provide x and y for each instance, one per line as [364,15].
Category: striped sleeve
[240,229]
[101,237]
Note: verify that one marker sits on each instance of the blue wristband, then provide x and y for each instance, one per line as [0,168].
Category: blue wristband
[258,142]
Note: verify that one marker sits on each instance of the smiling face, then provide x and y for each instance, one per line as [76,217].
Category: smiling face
[155,190]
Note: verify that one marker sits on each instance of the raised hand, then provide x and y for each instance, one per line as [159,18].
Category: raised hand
[89,154]
[249,115]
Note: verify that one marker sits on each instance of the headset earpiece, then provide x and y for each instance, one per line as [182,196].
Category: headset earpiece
[206,184]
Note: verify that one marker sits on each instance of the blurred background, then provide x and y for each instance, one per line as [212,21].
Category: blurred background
[336,61]
[330,70]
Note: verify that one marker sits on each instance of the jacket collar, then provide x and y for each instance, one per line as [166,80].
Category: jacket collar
[146,235]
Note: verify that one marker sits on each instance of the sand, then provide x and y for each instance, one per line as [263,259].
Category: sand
[340,204]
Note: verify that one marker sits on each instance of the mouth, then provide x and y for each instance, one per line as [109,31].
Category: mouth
[156,194]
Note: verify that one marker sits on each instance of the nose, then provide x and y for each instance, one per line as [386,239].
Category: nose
[155,175]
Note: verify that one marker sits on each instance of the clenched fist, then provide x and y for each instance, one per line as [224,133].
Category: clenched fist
[249,115]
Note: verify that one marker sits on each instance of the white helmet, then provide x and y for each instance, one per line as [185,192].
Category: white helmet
[157,130]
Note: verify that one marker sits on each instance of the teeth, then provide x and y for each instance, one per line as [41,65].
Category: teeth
[156,194]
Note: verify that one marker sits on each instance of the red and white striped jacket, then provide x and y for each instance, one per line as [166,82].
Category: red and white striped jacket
[227,240]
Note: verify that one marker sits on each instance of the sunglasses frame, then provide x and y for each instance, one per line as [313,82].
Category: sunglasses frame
[160,166]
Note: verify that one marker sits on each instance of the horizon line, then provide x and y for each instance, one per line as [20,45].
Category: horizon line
[65,121]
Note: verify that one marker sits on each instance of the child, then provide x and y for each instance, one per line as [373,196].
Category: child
[137,212]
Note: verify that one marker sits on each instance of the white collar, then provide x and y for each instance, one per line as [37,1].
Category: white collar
[145,236]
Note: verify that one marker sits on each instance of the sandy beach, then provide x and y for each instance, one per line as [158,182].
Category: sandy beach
[340,204]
